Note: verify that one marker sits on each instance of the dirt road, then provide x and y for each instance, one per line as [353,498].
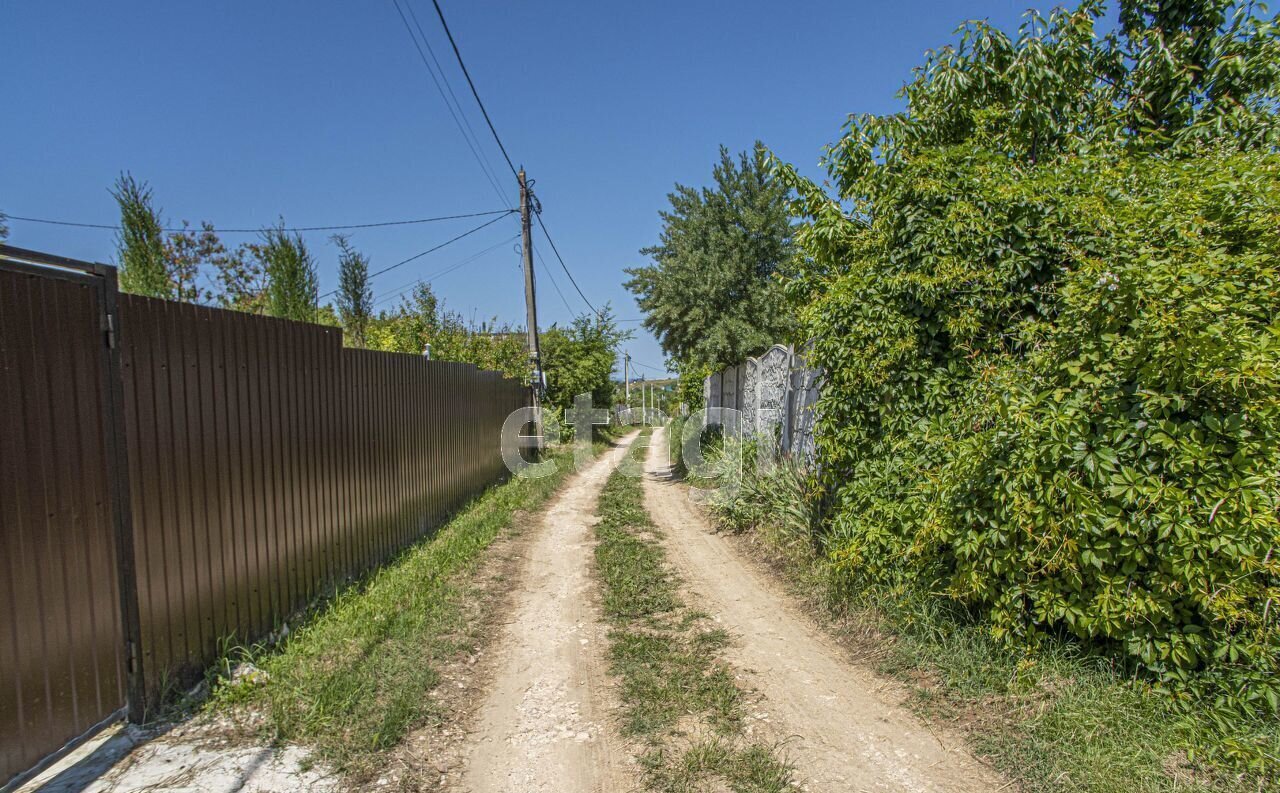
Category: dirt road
[843,730]
[544,723]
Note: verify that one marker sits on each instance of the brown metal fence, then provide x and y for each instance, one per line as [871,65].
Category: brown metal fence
[268,464]
[265,465]
[62,662]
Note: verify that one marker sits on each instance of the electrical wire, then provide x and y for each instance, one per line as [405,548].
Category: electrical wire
[433,249]
[634,362]
[444,78]
[474,152]
[458,54]
[556,251]
[400,290]
[547,271]
[498,139]
[259,230]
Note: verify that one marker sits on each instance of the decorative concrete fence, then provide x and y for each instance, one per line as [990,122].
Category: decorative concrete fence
[775,395]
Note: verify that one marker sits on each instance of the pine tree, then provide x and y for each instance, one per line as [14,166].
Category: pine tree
[140,243]
[355,295]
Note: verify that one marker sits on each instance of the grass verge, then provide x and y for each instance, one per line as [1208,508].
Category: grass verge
[679,698]
[356,676]
[1058,717]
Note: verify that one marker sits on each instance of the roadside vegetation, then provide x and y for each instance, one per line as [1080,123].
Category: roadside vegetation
[680,702]
[278,275]
[1058,716]
[355,677]
[1043,299]
[709,296]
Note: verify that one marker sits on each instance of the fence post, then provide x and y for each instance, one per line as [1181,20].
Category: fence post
[122,512]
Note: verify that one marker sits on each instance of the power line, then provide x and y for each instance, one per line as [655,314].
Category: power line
[444,78]
[260,229]
[400,290]
[647,366]
[465,73]
[441,245]
[474,153]
[547,271]
[556,251]
[429,250]
[458,54]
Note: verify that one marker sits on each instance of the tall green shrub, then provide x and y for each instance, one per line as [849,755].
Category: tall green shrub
[421,319]
[293,287]
[1045,303]
[579,358]
[355,294]
[140,243]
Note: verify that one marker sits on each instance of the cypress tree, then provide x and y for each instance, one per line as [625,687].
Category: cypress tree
[292,285]
[140,242]
[355,295]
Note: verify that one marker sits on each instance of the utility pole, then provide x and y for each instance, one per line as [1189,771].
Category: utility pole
[626,376]
[530,300]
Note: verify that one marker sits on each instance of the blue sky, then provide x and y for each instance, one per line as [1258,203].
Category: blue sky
[322,113]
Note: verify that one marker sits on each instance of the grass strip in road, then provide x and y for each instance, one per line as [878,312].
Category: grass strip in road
[680,700]
[355,678]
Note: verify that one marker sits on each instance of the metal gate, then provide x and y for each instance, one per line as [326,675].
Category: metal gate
[65,552]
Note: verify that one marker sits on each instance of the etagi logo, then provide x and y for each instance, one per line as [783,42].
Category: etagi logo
[710,476]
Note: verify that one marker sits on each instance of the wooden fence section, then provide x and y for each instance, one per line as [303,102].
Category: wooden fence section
[268,464]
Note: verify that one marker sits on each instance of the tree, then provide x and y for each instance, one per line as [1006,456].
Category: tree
[240,280]
[1043,303]
[292,285]
[410,326]
[4,227]
[421,320]
[1202,68]
[689,384]
[710,296]
[187,255]
[192,265]
[355,295]
[140,242]
[579,359]
[491,344]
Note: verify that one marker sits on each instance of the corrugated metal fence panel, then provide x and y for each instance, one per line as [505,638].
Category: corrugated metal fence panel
[268,465]
[61,661]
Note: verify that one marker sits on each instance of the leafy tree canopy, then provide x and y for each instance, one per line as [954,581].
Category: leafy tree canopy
[192,265]
[1044,301]
[421,320]
[579,359]
[710,296]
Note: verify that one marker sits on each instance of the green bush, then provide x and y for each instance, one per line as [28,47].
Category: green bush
[675,439]
[1108,465]
[1048,317]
